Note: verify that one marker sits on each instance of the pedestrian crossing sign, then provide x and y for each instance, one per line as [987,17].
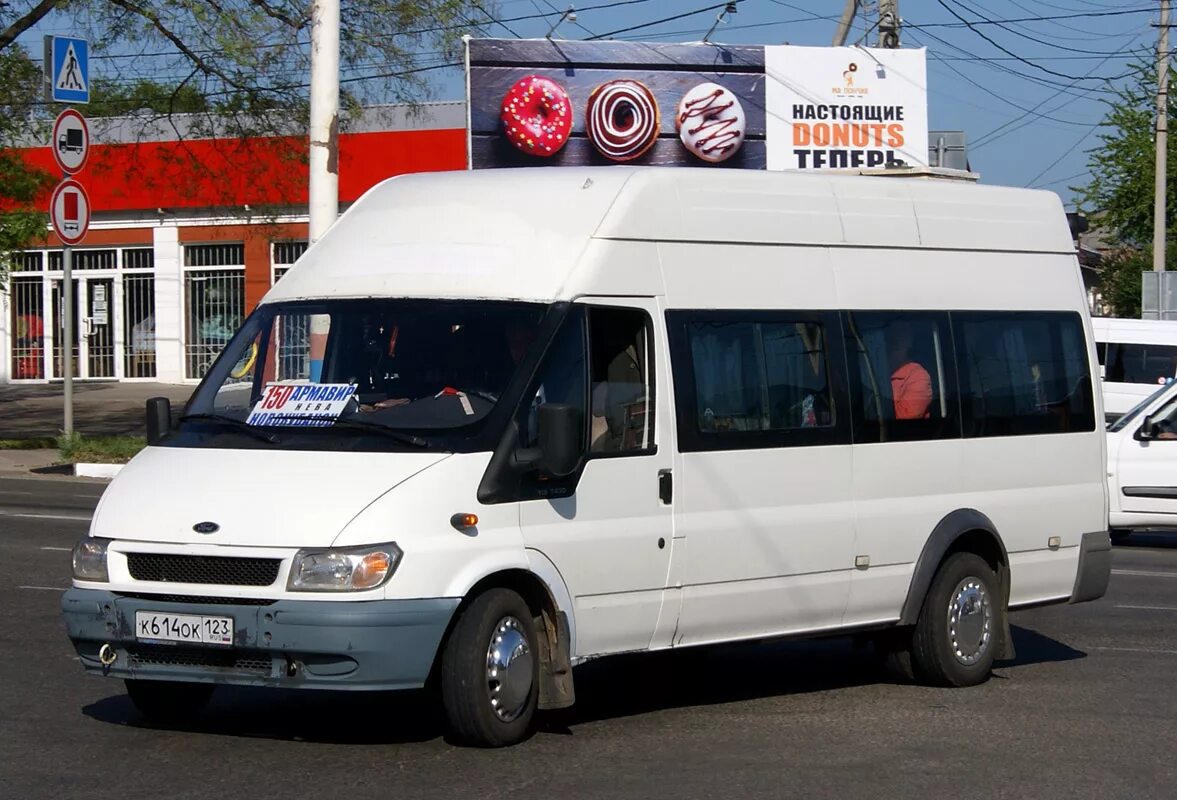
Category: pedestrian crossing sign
[67,69]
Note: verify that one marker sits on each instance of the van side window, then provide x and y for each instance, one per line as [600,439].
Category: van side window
[561,378]
[756,379]
[1140,363]
[902,380]
[621,417]
[1023,373]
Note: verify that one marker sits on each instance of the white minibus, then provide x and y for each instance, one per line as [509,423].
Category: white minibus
[1135,357]
[496,423]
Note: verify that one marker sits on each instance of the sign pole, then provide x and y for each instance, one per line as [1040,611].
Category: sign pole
[67,80]
[67,334]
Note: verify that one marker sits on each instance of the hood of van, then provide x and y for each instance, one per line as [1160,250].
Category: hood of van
[260,498]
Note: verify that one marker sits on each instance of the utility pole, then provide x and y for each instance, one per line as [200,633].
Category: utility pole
[324,155]
[1162,142]
[323,192]
[889,24]
[844,24]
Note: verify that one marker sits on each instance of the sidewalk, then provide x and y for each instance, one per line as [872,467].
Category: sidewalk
[100,409]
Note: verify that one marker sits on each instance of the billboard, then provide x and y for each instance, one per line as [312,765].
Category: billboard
[538,102]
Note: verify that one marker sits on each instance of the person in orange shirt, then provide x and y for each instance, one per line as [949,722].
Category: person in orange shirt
[911,385]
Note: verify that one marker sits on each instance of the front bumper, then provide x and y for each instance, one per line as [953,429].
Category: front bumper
[369,645]
[1095,567]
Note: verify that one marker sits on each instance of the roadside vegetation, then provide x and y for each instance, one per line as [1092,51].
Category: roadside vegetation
[76,448]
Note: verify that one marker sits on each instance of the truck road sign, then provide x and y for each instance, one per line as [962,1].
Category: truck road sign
[69,211]
[67,69]
[70,142]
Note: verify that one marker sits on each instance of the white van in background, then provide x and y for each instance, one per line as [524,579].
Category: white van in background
[496,423]
[1135,357]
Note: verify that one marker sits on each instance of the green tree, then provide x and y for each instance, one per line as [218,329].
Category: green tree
[20,185]
[234,68]
[1119,196]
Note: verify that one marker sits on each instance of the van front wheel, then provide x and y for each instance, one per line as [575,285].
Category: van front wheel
[488,671]
[956,638]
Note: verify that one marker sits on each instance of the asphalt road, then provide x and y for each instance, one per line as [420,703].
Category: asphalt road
[1086,711]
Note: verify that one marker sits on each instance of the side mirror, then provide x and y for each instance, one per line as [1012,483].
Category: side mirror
[159,419]
[1148,428]
[560,441]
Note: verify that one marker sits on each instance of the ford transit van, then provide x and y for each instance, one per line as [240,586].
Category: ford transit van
[497,423]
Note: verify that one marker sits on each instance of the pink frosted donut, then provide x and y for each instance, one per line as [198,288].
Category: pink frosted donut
[536,115]
[622,119]
[710,122]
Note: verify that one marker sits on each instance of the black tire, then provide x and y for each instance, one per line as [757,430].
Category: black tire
[964,580]
[169,702]
[467,687]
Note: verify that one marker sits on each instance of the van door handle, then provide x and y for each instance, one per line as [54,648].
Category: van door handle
[665,486]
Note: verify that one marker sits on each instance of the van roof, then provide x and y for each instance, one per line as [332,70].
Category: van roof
[519,233]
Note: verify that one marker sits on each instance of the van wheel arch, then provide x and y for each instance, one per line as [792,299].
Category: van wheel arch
[551,625]
[964,530]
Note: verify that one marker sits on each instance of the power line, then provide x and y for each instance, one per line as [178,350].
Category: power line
[1001,22]
[1066,153]
[1008,52]
[1003,68]
[664,19]
[1005,129]
[1000,97]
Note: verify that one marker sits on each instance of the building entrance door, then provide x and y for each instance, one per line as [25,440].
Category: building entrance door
[92,350]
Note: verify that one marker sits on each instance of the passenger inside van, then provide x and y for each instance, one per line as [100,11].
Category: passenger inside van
[911,385]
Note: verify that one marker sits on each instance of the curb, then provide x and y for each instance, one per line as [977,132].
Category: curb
[97,470]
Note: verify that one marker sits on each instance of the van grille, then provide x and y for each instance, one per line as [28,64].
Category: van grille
[194,598]
[145,655]
[221,570]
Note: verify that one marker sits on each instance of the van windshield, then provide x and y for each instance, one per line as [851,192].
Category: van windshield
[410,373]
[1137,409]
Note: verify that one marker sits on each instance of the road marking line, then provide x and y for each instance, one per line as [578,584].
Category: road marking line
[1144,573]
[46,516]
[1151,608]
[46,588]
[1138,650]
[59,549]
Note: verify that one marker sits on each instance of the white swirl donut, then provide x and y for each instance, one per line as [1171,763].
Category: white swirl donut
[622,119]
[710,122]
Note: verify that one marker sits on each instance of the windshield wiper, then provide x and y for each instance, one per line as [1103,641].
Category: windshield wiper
[232,422]
[375,427]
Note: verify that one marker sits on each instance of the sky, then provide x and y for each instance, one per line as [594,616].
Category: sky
[1027,80]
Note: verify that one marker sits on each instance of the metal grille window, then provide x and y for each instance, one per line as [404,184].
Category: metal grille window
[292,333]
[139,325]
[28,327]
[286,253]
[95,259]
[28,262]
[215,255]
[214,301]
[139,258]
[215,304]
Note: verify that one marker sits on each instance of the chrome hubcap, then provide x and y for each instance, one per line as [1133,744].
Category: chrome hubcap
[970,621]
[509,671]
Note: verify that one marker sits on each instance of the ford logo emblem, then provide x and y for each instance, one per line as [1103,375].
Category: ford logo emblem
[206,527]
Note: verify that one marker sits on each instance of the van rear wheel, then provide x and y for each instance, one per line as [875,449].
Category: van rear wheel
[957,634]
[169,702]
[489,671]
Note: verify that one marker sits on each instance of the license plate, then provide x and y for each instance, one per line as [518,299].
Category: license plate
[189,628]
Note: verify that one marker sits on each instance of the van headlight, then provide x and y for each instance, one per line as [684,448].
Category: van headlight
[90,560]
[343,569]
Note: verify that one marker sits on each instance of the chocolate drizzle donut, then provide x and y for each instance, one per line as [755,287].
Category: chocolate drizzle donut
[711,122]
[622,119]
